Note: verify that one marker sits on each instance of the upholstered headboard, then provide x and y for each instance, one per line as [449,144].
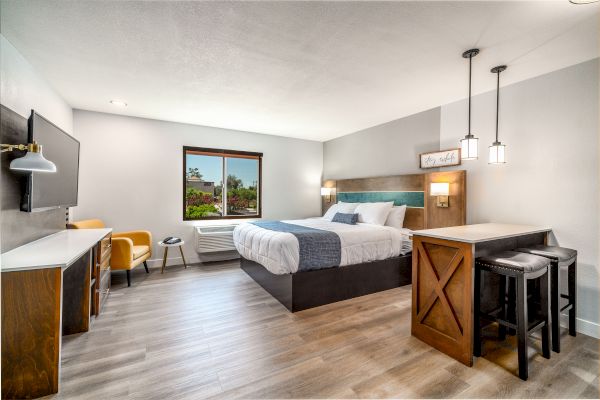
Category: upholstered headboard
[412,190]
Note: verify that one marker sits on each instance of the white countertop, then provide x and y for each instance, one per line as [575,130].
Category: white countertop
[60,249]
[480,232]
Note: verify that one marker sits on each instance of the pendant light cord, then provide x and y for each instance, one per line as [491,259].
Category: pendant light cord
[470,62]
[497,103]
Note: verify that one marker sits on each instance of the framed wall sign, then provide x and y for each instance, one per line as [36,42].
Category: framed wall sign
[443,158]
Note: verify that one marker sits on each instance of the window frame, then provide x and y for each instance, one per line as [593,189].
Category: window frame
[225,154]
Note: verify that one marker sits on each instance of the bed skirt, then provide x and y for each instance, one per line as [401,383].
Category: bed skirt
[308,289]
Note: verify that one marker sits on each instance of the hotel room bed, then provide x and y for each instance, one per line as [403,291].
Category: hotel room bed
[279,252]
[371,259]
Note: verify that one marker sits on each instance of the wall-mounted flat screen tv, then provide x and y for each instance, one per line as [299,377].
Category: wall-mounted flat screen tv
[58,189]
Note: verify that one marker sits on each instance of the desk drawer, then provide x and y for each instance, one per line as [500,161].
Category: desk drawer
[103,285]
[104,249]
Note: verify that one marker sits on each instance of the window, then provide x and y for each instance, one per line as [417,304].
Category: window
[221,184]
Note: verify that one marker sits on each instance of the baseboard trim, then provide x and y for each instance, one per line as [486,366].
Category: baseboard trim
[583,326]
[157,262]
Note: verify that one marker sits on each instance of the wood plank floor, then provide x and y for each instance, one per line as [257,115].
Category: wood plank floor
[211,332]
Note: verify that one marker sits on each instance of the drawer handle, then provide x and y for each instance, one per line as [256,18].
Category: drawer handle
[108,245]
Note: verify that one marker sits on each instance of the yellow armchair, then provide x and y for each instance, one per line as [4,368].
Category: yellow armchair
[129,249]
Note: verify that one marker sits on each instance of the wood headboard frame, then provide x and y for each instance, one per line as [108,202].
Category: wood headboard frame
[422,213]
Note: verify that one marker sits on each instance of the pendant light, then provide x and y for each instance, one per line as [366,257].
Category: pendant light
[497,151]
[469,143]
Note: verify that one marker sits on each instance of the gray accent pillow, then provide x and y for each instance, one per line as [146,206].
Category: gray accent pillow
[349,219]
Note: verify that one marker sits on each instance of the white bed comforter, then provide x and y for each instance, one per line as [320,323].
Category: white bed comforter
[279,251]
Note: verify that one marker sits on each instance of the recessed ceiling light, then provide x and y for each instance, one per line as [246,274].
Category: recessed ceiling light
[118,103]
[583,1]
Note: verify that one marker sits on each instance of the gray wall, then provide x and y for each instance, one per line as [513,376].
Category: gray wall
[550,127]
[388,149]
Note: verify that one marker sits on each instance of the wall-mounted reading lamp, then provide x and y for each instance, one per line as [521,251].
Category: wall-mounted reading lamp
[442,191]
[32,161]
[327,193]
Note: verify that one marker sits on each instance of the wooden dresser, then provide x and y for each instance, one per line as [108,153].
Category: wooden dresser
[50,287]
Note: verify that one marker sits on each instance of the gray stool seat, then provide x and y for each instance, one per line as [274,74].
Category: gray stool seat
[561,254]
[515,261]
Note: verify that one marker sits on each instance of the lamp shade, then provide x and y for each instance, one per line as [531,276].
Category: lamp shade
[32,161]
[439,189]
[497,153]
[325,191]
[468,149]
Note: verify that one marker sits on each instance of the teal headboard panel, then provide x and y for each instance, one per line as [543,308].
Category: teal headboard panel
[413,199]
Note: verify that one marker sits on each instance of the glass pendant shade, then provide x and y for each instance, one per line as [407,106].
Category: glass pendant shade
[468,149]
[32,161]
[497,153]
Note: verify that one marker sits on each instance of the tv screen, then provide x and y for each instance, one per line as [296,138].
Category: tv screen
[58,189]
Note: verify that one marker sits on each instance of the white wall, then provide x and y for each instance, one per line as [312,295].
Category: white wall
[22,89]
[131,173]
[550,127]
[388,149]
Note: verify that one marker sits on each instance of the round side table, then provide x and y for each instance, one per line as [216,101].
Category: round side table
[166,246]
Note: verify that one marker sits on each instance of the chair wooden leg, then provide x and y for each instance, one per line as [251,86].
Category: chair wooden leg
[502,295]
[182,257]
[162,270]
[545,311]
[555,305]
[128,278]
[476,312]
[522,326]
[146,267]
[572,283]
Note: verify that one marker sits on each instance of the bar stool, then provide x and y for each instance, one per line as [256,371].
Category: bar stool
[560,257]
[521,267]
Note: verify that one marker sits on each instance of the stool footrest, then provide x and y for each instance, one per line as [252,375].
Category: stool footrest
[567,307]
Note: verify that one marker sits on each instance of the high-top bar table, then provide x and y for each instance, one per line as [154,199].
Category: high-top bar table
[442,278]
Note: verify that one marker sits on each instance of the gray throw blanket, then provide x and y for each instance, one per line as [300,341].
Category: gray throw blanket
[318,248]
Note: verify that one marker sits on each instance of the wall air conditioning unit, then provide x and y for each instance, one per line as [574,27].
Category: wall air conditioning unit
[215,243]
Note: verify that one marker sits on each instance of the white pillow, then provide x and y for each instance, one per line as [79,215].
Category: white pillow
[374,213]
[341,207]
[395,218]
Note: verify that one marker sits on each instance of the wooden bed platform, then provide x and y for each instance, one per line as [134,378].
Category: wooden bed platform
[309,289]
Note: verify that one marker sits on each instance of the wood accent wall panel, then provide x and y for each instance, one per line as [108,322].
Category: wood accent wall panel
[430,216]
[442,296]
[412,182]
[456,213]
[31,332]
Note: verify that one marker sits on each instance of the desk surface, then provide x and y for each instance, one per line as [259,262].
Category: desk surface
[57,250]
[480,232]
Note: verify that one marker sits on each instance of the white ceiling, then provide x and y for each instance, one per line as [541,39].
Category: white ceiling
[312,70]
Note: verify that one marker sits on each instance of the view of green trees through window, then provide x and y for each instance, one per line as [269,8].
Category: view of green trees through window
[208,195]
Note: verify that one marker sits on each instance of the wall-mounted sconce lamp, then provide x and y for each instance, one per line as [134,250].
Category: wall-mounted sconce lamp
[442,191]
[32,161]
[327,193]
